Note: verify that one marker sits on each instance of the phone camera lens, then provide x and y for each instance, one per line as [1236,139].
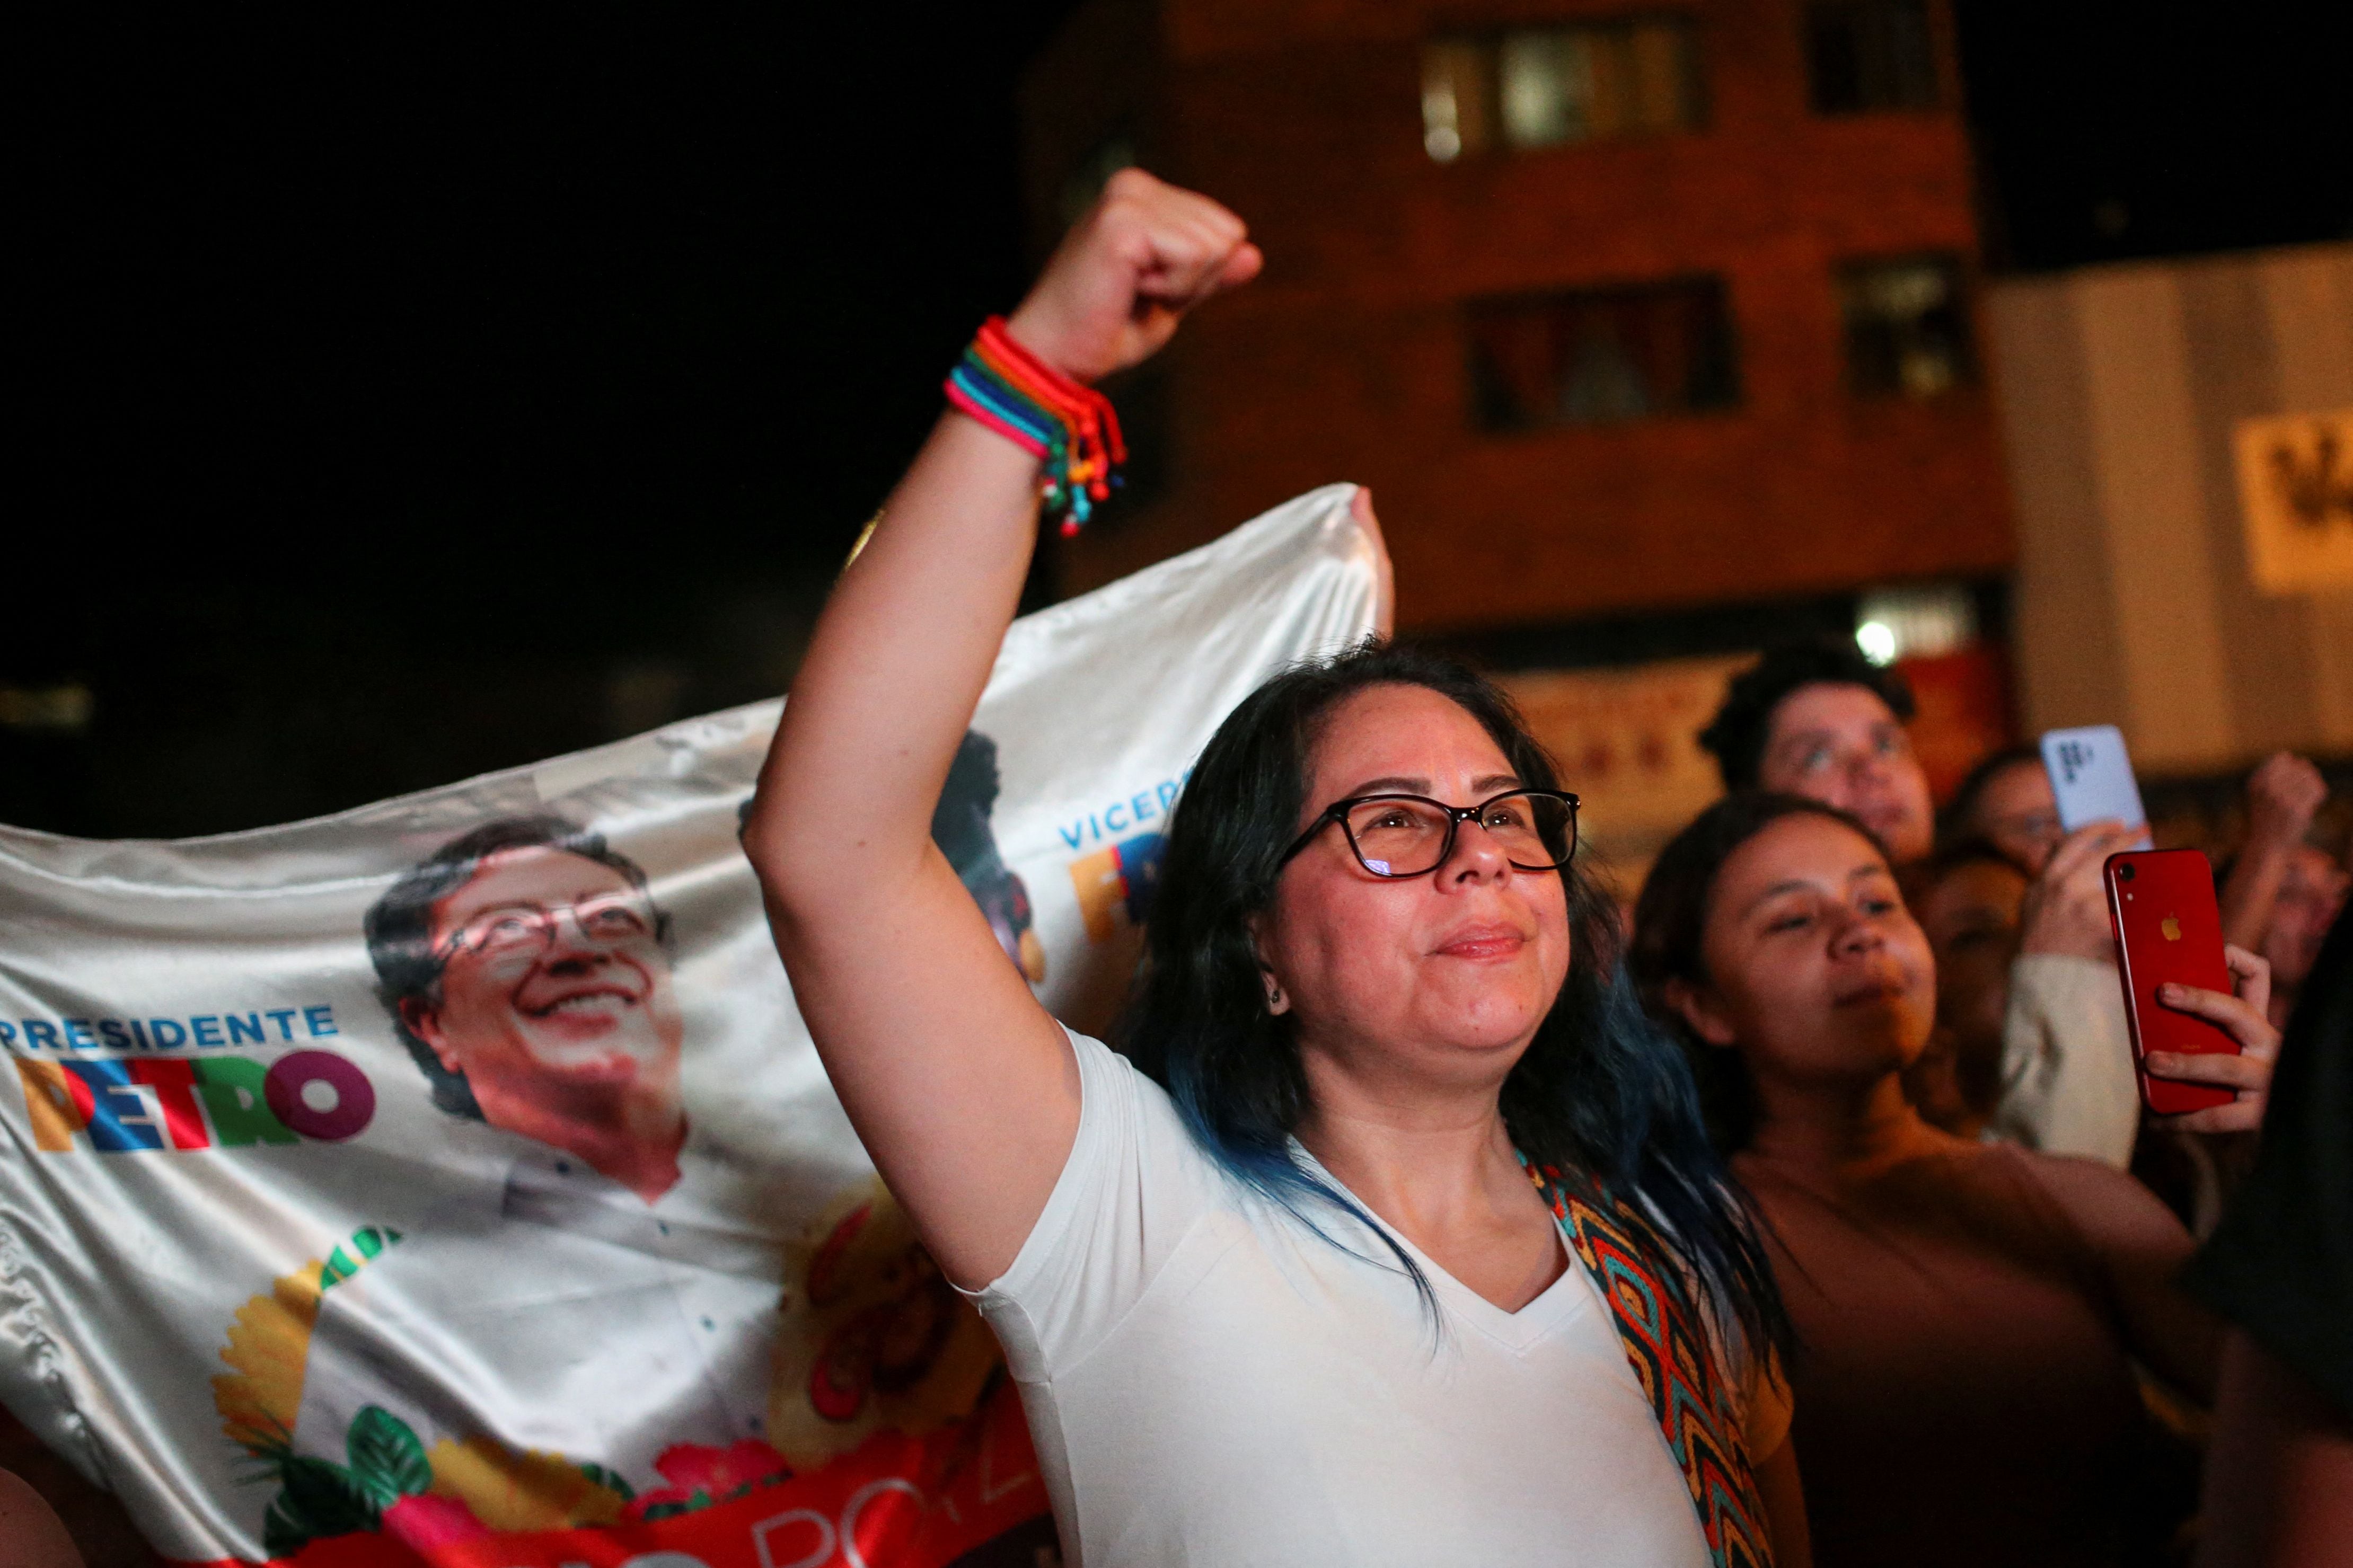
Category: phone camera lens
[2125,872]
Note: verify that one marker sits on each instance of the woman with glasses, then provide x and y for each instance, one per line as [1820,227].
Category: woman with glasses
[1390,1234]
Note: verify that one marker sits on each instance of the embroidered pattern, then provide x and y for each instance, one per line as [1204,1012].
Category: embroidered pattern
[1676,1363]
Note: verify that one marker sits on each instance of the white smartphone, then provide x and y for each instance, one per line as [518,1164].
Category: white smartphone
[2091,775]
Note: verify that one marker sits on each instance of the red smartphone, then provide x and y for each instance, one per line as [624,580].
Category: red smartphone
[2169,928]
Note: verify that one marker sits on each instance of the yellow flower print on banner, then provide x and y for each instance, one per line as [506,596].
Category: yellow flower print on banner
[268,1346]
[271,1342]
[872,1337]
[261,1398]
[507,1490]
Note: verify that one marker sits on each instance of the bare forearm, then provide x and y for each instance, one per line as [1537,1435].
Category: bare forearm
[2281,795]
[898,662]
[2252,893]
[958,1082]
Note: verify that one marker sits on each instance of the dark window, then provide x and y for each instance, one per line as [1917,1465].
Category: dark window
[1862,55]
[1141,398]
[1085,180]
[1907,326]
[1541,87]
[1598,356]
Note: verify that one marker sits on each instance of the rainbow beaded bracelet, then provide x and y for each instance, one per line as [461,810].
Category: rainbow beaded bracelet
[1071,428]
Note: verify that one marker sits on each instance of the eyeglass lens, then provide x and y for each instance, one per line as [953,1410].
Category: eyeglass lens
[607,923]
[1405,835]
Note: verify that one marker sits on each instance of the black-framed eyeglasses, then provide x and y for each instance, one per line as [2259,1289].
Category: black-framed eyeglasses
[1412,834]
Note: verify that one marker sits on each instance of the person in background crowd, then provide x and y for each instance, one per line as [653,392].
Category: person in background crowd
[1275,1284]
[2007,802]
[2279,1473]
[2279,896]
[2282,796]
[2312,894]
[2282,893]
[1967,1310]
[1817,720]
[1820,719]
[1967,898]
[2068,1084]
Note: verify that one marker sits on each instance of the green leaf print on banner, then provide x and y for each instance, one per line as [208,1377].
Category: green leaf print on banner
[610,1480]
[387,1461]
[317,1498]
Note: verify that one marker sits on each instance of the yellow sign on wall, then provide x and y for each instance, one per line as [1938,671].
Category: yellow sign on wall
[2296,494]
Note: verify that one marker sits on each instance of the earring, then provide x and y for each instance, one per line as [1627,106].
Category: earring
[1276,1002]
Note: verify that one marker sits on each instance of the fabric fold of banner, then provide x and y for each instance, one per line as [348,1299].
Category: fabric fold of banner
[452,1181]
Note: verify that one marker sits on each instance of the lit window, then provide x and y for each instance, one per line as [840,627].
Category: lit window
[1862,55]
[1919,621]
[1541,87]
[1906,327]
[1455,89]
[1595,356]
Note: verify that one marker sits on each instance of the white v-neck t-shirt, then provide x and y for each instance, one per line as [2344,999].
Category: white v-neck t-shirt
[1209,1382]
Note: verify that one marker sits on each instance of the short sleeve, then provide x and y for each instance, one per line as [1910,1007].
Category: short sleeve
[1134,1187]
[2279,1266]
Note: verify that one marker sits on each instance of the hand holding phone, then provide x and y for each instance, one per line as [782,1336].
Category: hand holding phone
[2066,907]
[2243,1015]
[2092,777]
[2178,983]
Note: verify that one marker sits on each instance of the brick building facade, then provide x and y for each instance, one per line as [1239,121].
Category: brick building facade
[1618,307]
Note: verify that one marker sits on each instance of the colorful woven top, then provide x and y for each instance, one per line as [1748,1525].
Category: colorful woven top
[1674,1359]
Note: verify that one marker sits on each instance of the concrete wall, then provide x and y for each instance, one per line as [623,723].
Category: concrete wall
[2118,389]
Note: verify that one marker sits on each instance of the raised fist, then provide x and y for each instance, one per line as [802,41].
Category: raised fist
[1126,273]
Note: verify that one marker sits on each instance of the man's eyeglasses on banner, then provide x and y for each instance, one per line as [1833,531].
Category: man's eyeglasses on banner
[530,928]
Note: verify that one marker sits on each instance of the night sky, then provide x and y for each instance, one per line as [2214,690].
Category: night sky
[387,385]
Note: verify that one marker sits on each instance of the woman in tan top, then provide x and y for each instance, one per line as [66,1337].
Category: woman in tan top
[1967,1312]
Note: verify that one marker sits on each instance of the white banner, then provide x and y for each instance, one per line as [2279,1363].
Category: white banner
[453,1180]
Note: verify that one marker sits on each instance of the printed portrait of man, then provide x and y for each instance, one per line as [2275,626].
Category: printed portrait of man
[526,967]
[589,1283]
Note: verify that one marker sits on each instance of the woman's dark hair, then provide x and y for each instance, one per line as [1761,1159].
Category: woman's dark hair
[1601,1095]
[1670,928]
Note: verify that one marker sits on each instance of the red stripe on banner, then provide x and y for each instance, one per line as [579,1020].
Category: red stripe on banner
[896,1502]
